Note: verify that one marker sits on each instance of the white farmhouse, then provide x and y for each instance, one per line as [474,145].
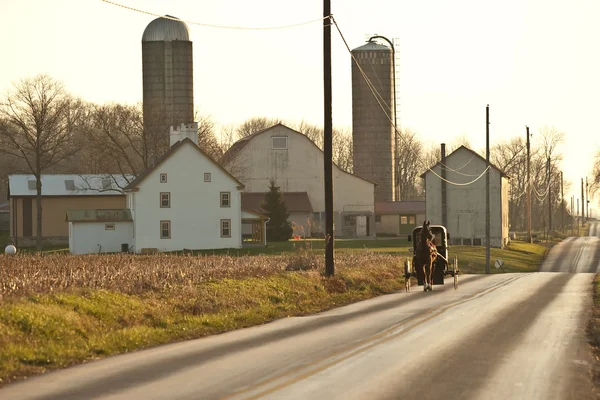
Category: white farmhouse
[296,165]
[465,203]
[186,200]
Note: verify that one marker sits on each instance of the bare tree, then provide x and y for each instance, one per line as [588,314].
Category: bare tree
[410,166]
[35,129]
[254,125]
[207,140]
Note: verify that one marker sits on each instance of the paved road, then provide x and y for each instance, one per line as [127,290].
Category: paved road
[576,254]
[504,336]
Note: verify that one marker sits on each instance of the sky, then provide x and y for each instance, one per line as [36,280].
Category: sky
[535,62]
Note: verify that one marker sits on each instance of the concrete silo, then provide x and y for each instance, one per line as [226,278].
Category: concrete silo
[373,133]
[167,68]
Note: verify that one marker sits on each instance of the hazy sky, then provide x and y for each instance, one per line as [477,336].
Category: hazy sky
[535,62]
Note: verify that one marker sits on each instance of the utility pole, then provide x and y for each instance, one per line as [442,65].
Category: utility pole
[487,189]
[328,140]
[582,204]
[572,216]
[562,203]
[549,200]
[528,188]
[587,200]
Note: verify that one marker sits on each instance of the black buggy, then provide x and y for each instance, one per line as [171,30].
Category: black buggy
[443,266]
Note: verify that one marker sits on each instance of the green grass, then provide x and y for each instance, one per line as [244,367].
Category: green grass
[517,257]
[44,332]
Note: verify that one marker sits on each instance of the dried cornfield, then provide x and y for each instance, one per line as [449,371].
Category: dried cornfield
[135,274]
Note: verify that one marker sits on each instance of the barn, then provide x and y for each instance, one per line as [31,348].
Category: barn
[459,181]
[296,165]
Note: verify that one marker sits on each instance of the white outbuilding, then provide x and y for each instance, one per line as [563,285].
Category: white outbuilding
[99,231]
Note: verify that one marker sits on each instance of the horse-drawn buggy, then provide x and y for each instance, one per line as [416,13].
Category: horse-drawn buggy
[429,263]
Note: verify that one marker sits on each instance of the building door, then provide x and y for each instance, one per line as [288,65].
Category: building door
[27,217]
[361,225]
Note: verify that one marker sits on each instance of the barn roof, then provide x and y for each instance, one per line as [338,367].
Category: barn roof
[399,207]
[238,146]
[474,154]
[168,154]
[106,215]
[20,185]
[294,201]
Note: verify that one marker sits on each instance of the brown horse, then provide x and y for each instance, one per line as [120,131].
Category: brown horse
[426,256]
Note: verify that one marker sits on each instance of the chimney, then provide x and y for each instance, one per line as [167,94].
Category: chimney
[184,131]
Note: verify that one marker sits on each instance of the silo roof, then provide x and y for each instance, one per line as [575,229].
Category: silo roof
[372,46]
[166,30]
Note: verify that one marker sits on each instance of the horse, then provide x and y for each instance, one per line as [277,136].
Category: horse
[426,255]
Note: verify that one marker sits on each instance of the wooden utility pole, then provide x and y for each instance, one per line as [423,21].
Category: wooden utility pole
[528,188]
[487,190]
[562,204]
[582,204]
[327,140]
[549,199]
[587,200]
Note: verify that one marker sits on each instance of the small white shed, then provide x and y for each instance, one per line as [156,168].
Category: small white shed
[100,231]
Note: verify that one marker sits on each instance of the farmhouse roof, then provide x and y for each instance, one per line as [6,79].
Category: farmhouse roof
[106,215]
[172,151]
[21,185]
[399,207]
[474,154]
[237,147]
[294,201]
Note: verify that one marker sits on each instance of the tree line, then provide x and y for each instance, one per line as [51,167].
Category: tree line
[45,129]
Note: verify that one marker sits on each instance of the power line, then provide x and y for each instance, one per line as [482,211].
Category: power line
[214,25]
[383,107]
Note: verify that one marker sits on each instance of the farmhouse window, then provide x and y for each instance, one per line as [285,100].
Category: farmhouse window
[165,229]
[207,177]
[378,218]
[412,220]
[70,184]
[316,216]
[31,185]
[165,200]
[279,142]
[106,184]
[109,227]
[163,178]
[403,220]
[225,228]
[225,199]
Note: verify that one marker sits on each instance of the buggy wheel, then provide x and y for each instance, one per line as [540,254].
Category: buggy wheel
[407,274]
[455,272]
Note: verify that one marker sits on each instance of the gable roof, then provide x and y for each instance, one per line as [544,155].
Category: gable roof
[105,215]
[294,201]
[474,154]
[172,151]
[399,207]
[238,146]
[68,184]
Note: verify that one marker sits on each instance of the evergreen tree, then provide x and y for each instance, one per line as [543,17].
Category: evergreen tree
[278,227]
